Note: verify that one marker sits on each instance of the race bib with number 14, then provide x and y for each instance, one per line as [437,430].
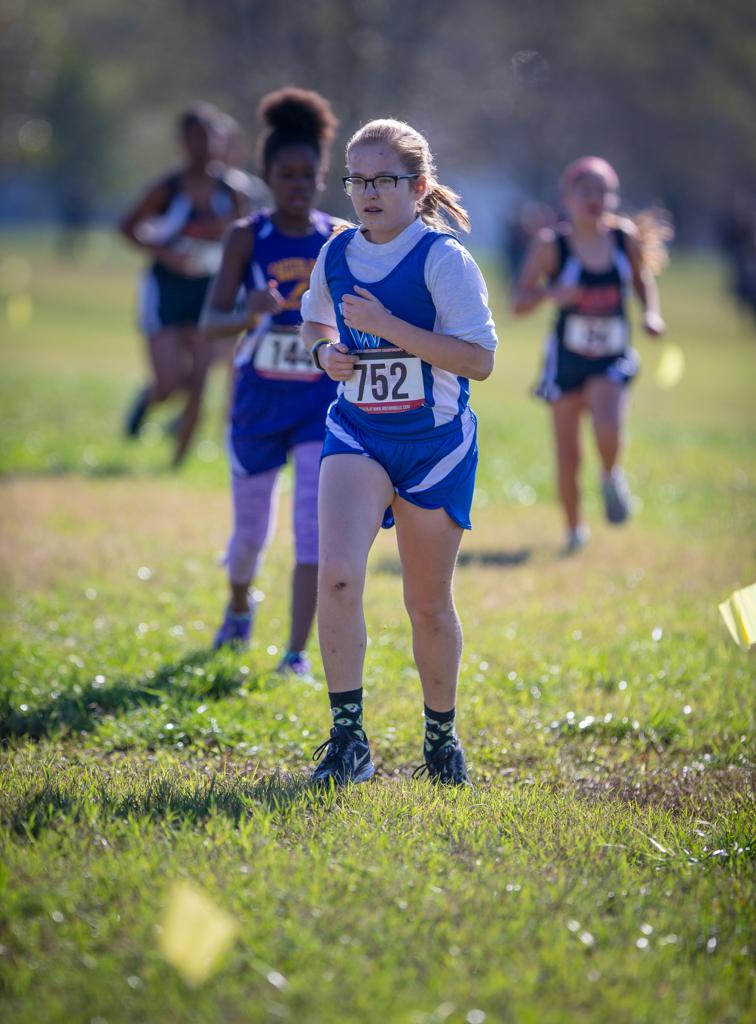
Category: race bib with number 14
[280,355]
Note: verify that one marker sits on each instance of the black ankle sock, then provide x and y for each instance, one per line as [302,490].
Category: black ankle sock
[439,731]
[346,709]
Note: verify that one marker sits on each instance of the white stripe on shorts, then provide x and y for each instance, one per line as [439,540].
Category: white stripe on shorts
[233,460]
[547,386]
[341,435]
[444,466]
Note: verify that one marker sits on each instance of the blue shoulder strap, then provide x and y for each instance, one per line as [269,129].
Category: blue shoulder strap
[336,247]
[339,242]
[428,239]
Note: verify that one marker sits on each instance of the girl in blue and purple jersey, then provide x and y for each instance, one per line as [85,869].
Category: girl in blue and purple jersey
[280,395]
[397,313]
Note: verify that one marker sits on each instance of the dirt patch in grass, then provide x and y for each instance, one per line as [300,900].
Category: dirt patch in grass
[57,530]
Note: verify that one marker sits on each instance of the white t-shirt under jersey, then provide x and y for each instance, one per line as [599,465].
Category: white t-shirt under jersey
[452,277]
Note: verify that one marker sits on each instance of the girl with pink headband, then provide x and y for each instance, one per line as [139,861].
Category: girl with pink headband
[586,267]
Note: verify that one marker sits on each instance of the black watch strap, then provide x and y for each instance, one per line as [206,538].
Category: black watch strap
[314,351]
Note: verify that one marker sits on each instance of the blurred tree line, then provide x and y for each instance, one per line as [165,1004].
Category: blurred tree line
[663,88]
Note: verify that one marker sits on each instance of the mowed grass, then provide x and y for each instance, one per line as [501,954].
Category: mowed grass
[602,868]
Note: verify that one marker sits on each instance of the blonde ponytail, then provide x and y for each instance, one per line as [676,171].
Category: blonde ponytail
[655,229]
[440,206]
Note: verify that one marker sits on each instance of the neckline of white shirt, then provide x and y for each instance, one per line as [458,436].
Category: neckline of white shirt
[410,234]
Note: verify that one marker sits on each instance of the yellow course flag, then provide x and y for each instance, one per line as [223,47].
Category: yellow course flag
[671,367]
[19,310]
[739,613]
[195,933]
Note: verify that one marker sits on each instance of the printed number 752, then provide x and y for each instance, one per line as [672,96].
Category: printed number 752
[379,380]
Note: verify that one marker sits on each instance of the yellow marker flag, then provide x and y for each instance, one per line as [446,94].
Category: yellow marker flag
[195,933]
[671,367]
[19,310]
[739,613]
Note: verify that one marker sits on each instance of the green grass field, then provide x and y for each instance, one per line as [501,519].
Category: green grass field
[602,870]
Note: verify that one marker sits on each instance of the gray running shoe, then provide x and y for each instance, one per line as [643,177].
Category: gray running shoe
[576,540]
[616,494]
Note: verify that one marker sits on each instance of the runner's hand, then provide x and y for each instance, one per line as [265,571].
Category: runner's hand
[364,312]
[265,300]
[653,324]
[337,360]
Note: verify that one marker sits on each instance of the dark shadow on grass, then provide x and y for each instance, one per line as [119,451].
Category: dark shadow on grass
[81,712]
[171,795]
[495,559]
[486,559]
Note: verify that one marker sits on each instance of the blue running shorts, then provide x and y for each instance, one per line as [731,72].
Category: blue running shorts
[433,471]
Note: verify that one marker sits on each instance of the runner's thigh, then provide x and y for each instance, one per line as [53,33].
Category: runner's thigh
[353,494]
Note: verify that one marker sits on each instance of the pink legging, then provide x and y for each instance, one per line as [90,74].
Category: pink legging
[255,508]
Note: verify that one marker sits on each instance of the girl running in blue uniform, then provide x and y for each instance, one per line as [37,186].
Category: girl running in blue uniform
[180,222]
[396,313]
[586,266]
[280,395]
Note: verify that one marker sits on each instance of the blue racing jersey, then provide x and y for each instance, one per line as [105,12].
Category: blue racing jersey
[392,392]
[277,384]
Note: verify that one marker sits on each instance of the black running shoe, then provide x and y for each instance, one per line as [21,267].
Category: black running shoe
[347,759]
[137,412]
[446,767]
[173,426]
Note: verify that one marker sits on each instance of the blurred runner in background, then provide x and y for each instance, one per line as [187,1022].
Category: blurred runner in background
[179,222]
[586,266]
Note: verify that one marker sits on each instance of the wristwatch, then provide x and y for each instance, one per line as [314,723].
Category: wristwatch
[314,350]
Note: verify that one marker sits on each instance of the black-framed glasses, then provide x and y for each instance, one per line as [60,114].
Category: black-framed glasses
[355,183]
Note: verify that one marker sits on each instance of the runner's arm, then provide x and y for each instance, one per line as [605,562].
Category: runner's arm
[151,204]
[463,337]
[463,358]
[335,358]
[311,331]
[319,323]
[221,317]
[541,265]
[645,287]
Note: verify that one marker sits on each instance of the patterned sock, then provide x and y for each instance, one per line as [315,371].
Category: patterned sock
[346,709]
[439,731]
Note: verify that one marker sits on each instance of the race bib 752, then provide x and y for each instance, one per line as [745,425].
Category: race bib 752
[386,380]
